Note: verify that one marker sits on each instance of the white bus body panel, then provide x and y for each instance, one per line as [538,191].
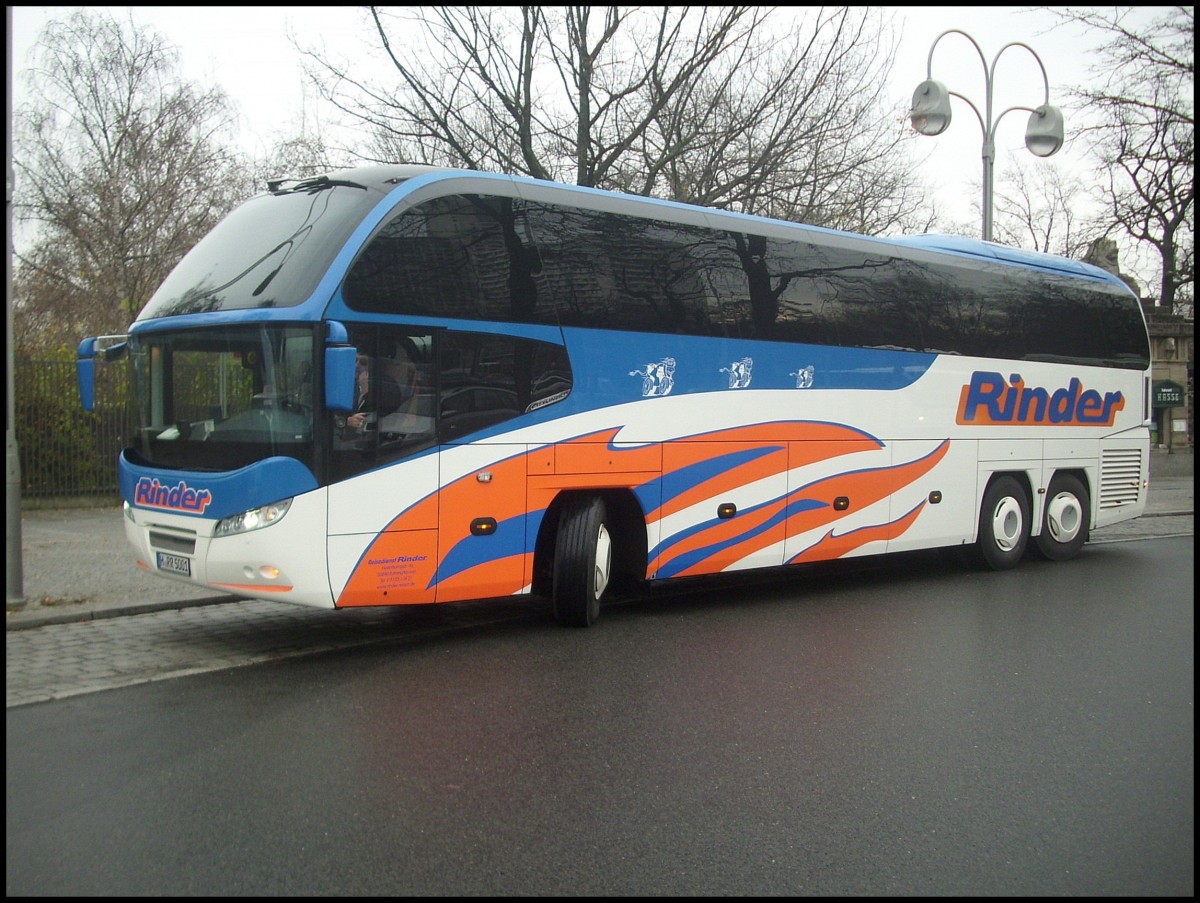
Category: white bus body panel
[268,563]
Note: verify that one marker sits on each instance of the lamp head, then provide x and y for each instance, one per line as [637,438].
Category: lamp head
[930,113]
[1044,133]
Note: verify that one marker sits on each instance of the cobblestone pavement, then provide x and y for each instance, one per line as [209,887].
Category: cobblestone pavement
[68,659]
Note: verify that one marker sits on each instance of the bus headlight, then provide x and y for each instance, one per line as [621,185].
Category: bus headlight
[253,519]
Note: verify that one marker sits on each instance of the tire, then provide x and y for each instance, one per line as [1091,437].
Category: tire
[1003,525]
[1065,523]
[582,561]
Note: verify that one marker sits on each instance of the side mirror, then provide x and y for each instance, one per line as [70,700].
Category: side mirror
[339,378]
[85,373]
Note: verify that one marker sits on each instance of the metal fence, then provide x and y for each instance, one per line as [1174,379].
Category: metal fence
[66,451]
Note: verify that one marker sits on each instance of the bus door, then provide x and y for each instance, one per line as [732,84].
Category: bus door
[482,547]
[484,382]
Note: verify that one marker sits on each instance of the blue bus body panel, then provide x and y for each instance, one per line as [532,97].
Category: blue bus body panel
[212,495]
[709,364]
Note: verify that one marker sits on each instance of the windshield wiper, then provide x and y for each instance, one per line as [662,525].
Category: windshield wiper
[317,183]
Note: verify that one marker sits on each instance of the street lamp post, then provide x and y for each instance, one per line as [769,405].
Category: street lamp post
[930,115]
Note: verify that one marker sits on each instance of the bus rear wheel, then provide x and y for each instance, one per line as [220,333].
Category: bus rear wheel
[582,561]
[1003,525]
[1064,527]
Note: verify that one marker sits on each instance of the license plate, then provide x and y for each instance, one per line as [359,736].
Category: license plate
[176,564]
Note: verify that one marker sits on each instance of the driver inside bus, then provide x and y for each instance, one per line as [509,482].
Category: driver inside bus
[403,418]
[374,393]
[387,397]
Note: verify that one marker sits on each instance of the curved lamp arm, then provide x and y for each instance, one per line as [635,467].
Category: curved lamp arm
[931,115]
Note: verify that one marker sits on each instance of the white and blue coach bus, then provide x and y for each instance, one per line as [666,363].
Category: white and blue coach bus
[398,384]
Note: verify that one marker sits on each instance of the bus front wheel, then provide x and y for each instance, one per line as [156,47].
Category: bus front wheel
[1003,525]
[1064,528]
[582,561]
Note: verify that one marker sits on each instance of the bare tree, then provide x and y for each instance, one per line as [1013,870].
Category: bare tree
[1144,138]
[119,171]
[745,108]
[297,157]
[1036,207]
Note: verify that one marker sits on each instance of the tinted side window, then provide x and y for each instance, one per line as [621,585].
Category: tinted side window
[805,292]
[487,379]
[608,271]
[501,259]
[1059,319]
[835,296]
[393,416]
[462,256]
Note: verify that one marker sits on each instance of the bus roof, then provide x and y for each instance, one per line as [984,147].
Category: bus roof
[972,247]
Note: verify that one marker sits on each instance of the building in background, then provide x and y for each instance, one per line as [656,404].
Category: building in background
[1172,365]
[1172,356]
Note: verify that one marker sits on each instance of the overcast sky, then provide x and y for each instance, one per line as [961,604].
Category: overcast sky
[246,51]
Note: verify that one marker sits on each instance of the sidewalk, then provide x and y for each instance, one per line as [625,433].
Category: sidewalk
[77,565]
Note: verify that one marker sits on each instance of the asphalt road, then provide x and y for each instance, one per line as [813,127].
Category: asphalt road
[898,728]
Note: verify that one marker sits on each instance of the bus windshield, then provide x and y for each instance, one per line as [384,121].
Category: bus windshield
[223,398]
[270,252]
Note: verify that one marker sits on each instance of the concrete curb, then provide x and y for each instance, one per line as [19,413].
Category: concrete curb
[66,614]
